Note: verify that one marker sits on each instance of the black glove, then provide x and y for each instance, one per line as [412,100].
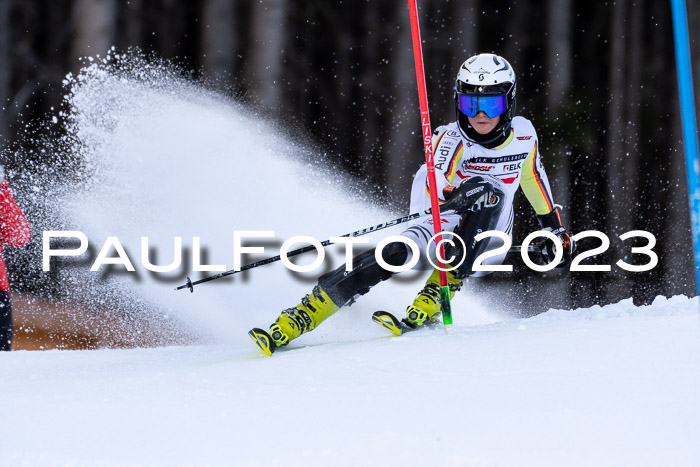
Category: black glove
[463,197]
[552,223]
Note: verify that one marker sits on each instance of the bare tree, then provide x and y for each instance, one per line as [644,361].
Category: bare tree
[633,102]
[559,56]
[133,24]
[617,216]
[372,108]
[463,28]
[95,27]
[5,64]
[516,33]
[264,59]
[218,38]
[617,210]
[450,38]
[404,154]
[559,67]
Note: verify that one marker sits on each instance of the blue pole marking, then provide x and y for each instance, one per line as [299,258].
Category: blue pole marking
[690,128]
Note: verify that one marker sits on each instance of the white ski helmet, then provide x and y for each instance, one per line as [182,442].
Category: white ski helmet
[485,82]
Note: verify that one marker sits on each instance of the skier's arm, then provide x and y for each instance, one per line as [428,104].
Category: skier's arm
[536,187]
[448,154]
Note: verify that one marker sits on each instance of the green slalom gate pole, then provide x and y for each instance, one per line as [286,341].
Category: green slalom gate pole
[689,123]
[432,184]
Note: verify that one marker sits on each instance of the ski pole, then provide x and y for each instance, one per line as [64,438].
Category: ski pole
[190,284]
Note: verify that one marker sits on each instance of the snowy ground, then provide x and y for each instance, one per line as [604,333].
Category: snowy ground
[616,385]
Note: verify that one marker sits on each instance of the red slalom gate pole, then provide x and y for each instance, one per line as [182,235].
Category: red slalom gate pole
[429,160]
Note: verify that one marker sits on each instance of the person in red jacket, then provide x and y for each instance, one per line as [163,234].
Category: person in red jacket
[15,231]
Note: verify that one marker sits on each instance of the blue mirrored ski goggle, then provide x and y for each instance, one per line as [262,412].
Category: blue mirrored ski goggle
[490,105]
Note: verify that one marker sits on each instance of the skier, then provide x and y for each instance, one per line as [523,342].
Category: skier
[16,232]
[480,160]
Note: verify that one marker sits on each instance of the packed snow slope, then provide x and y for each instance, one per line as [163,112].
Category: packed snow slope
[610,386]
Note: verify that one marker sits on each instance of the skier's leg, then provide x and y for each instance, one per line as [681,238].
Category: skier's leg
[485,216]
[334,290]
[473,223]
[505,225]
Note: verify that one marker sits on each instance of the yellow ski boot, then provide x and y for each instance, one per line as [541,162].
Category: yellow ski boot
[426,307]
[293,322]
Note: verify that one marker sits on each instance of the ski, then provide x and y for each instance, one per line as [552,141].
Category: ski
[263,340]
[392,323]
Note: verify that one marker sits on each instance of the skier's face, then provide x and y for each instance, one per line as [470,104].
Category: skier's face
[483,124]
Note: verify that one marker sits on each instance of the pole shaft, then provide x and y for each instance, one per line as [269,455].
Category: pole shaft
[299,251]
[689,122]
[429,160]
